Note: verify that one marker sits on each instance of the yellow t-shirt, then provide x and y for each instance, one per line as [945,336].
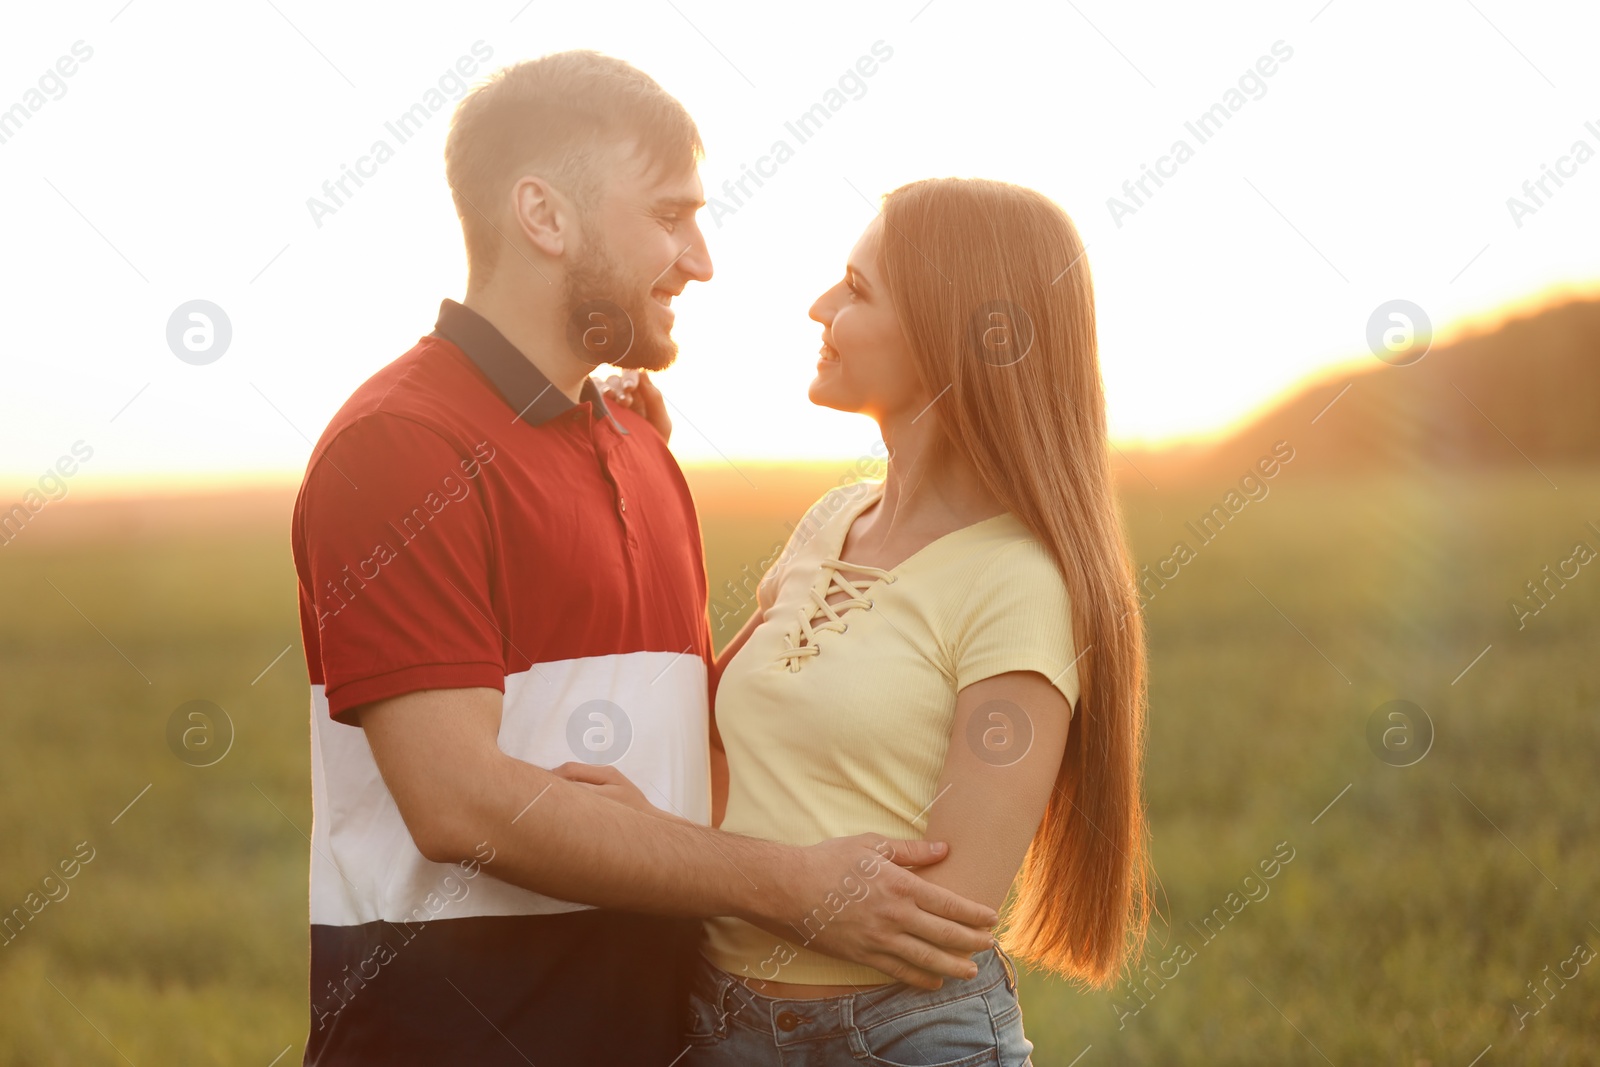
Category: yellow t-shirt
[833,731]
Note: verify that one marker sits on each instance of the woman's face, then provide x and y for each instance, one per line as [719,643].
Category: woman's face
[866,365]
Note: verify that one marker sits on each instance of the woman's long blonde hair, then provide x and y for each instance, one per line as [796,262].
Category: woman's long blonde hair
[994,297]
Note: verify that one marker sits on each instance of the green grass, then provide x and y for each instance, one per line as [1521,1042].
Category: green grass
[1415,909]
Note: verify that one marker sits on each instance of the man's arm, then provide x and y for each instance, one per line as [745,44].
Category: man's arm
[438,753]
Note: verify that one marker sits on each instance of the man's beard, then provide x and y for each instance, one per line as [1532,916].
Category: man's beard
[607,323]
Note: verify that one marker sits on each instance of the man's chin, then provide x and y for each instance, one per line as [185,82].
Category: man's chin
[658,355]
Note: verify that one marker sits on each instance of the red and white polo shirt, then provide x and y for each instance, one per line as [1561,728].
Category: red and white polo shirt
[463,524]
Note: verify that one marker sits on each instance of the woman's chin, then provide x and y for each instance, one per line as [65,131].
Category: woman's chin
[825,394]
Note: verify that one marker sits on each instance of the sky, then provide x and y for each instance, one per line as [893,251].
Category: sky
[1370,152]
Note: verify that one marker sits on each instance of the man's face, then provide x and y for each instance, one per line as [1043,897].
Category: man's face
[640,246]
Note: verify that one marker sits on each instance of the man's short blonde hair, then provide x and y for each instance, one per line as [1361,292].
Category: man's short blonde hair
[561,117]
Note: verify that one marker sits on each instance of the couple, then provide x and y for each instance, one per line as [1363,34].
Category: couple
[552,825]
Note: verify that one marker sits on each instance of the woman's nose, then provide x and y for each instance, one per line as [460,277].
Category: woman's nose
[822,309]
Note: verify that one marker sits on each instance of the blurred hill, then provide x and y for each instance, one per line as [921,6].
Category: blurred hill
[1530,385]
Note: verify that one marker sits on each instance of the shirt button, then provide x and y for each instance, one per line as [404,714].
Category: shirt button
[622,504]
[787,1021]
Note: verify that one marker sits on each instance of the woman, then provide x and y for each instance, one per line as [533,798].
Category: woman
[954,653]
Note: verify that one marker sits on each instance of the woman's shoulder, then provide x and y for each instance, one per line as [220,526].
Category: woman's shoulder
[1015,549]
[1003,543]
[1010,564]
[832,507]
[822,517]
[838,499]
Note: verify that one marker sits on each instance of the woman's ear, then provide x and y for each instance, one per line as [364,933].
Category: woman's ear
[544,215]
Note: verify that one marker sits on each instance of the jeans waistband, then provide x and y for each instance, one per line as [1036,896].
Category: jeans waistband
[791,1021]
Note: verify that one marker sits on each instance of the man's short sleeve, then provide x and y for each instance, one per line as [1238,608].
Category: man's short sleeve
[1018,617]
[395,557]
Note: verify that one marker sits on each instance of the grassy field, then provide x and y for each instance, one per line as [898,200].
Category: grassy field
[1420,908]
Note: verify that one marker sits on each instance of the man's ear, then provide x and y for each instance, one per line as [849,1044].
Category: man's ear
[545,215]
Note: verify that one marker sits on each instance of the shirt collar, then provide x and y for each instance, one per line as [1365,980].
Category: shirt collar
[519,382]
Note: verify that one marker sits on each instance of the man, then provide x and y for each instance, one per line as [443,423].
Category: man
[500,576]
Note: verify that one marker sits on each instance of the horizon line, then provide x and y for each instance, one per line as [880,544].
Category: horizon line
[187,483]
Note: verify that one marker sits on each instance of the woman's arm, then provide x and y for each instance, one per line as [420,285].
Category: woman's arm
[1005,748]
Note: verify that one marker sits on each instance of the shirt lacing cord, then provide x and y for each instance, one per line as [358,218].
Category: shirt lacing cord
[797,649]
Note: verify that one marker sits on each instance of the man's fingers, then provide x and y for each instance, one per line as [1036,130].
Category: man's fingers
[937,900]
[594,774]
[646,388]
[901,971]
[646,400]
[932,898]
[909,958]
[912,853]
[949,936]
[928,960]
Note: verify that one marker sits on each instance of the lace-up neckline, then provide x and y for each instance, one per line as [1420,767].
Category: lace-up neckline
[816,615]
[798,647]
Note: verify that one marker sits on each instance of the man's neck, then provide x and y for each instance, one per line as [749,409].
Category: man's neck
[536,329]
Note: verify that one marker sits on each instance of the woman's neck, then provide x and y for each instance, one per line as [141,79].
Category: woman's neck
[922,493]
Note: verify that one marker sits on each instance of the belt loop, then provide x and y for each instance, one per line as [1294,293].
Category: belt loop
[854,1038]
[1010,968]
[724,994]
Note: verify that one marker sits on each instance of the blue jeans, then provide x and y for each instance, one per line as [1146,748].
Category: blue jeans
[968,1023]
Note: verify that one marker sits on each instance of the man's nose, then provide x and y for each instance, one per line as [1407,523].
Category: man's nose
[696,262]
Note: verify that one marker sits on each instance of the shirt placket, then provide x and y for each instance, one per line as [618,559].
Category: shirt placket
[608,442]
